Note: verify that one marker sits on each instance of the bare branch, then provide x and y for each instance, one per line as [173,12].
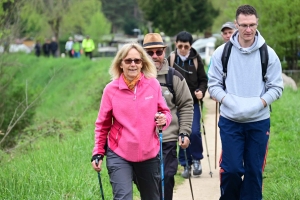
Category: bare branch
[13,122]
[26,93]
[9,128]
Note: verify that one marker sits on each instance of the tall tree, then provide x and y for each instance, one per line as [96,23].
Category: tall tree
[124,15]
[86,17]
[66,17]
[52,11]
[279,24]
[10,21]
[174,16]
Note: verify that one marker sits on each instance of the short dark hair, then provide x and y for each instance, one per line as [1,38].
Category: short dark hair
[245,10]
[184,36]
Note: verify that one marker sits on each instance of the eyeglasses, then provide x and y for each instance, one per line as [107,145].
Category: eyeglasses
[246,26]
[136,61]
[186,47]
[158,52]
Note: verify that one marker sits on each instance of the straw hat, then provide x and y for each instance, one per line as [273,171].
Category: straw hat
[153,40]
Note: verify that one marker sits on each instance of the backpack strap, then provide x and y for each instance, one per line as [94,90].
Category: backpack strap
[172,58]
[264,58]
[224,59]
[195,61]
[169,82]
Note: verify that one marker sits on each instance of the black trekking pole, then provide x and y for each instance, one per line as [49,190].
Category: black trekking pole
[204,133]
[187,165]
[99,178]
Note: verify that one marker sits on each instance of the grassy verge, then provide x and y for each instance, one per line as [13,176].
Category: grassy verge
[283,163]
[57,165]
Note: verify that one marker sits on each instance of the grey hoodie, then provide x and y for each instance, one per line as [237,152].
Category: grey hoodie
[244,84]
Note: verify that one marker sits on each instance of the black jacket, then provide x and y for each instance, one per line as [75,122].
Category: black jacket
[195,79]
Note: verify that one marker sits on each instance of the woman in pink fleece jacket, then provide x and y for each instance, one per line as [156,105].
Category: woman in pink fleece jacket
[131,108]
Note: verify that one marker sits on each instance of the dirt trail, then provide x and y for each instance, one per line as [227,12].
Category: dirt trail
[205,187]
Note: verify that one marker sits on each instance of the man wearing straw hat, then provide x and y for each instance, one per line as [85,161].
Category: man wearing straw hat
[179,101]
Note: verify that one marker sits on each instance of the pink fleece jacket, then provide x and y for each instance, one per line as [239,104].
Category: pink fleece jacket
[126,118]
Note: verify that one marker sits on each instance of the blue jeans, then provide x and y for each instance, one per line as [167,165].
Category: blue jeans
[195,149]
[244,150]
[76,54]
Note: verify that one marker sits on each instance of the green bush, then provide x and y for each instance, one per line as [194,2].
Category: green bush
[15,100]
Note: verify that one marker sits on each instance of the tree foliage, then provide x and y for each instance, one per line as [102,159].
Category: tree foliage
[10,21]
[124,15]
[86,17]
[174,16]
[279,23]
[65,17]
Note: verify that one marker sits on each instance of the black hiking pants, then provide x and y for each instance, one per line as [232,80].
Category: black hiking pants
[170,169]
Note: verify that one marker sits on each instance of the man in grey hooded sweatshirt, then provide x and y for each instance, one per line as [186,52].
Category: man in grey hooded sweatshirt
[244,113]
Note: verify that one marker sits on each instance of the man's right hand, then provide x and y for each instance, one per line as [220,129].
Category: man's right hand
[184,142]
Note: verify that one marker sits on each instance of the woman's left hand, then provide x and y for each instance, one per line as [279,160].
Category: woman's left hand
[160,119]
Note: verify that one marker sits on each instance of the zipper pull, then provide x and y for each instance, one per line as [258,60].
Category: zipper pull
[135,88]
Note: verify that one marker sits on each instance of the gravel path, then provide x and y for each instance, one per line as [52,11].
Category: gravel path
[205,187]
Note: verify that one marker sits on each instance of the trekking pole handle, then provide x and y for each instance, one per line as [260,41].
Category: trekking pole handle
[182,139]
[198,90]
[97,162]
[159,127]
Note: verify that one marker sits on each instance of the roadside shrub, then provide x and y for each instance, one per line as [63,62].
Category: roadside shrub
[13,103]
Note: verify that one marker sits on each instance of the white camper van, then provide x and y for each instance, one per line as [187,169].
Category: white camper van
[205,47]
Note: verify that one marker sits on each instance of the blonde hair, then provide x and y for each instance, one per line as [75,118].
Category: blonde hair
[148,67]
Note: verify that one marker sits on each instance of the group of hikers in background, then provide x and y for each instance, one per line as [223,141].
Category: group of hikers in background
[73,47]
[151,94]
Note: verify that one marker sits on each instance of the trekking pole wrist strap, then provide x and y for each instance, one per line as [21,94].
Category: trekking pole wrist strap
[97,156]
[184,135]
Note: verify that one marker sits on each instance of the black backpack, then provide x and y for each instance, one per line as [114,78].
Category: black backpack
[264,58]
[169,82]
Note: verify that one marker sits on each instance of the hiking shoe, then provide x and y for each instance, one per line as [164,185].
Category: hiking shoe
[186,172]
[197,168]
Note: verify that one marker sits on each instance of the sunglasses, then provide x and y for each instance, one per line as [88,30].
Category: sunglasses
[136,61]
[186,47]
[158,52]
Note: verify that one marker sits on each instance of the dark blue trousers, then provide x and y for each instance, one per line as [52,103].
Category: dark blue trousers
[244,151]
[195,149]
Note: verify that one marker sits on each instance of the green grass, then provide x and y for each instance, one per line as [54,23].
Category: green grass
[281,179]
[57,164]
[58,167]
